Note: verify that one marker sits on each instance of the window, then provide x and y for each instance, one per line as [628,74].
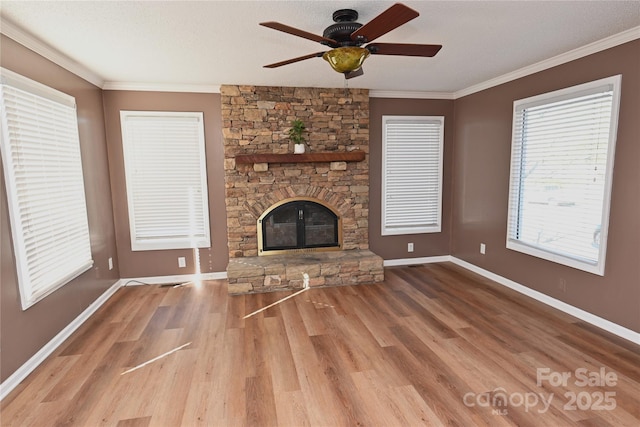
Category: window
[166,178]
[561,168]
[45,188]
[412,149]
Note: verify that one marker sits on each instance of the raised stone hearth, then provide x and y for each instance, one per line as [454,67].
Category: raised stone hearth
[277,272]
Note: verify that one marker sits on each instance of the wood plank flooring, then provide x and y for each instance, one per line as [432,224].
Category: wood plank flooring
[432,345]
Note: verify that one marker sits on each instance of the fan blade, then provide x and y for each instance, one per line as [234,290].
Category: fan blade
[388,20]
[404,49]
[291,61]
[296,32]
[352,74]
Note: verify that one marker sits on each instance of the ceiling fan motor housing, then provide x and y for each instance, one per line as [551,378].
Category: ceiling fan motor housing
[344,25]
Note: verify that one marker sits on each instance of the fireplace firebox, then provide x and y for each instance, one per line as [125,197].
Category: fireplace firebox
[299,225]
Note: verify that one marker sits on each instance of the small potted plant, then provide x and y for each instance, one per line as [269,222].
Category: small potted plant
[296,135]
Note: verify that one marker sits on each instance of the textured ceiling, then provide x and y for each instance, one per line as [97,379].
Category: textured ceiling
[220,42]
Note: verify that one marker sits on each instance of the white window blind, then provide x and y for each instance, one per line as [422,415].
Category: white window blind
[45,187]
[412,174]
[165,170]
[561,168]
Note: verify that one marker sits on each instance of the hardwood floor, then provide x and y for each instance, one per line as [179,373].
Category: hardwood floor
[432,345]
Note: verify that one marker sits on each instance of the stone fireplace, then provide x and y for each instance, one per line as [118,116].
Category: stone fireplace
[334,174]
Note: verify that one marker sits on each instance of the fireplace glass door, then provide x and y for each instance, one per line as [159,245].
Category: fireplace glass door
[299,225]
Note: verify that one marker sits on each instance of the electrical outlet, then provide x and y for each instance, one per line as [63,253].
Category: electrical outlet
[409,247]
[483,248]
[182,262]
[110,263]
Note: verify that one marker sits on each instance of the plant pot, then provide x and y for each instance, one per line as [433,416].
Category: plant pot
[298,148]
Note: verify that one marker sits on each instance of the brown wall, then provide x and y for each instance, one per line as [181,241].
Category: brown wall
[23,333]
[481,175]
[427,244]
[165,262]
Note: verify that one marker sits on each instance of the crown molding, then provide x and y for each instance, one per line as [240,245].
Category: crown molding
[161,87]
[409,94]
[31,42]
[595,47]
[591,48]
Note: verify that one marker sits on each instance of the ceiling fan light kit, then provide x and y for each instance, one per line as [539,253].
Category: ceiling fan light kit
[346,59]
[347,37]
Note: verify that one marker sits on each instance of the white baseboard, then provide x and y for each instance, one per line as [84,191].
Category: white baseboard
[601,323]
[10,383]
[21,373]
[414,261]
[181,278]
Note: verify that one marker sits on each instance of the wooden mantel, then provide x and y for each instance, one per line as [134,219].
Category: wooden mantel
[327,156]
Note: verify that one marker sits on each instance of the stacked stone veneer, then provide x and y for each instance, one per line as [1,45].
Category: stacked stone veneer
[277,272]
[256,119]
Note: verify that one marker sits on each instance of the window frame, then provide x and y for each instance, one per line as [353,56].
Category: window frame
[513,212]
[165,243]
[388,229]
[34,254]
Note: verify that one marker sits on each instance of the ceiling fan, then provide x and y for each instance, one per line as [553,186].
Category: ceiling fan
[346,39]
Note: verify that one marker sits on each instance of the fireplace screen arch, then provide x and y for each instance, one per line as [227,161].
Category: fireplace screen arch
[299,225]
